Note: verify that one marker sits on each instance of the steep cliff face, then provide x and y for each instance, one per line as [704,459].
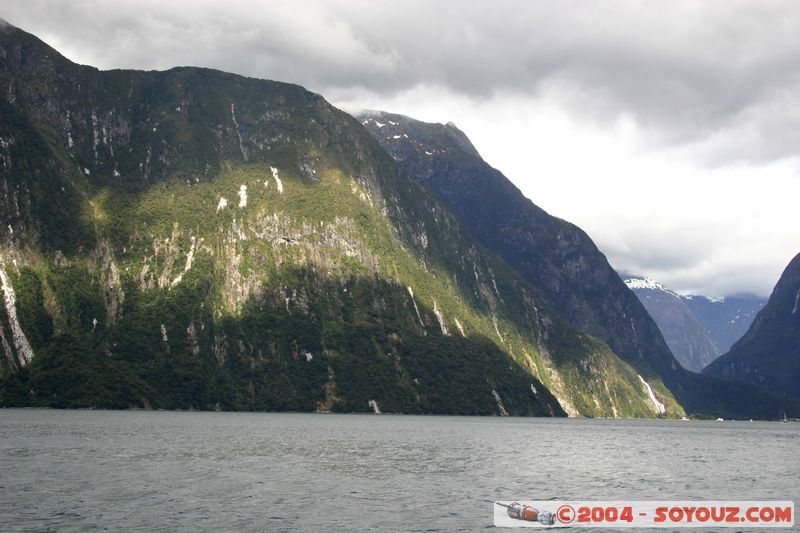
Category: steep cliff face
[556,257]
[192,238]
[769,353]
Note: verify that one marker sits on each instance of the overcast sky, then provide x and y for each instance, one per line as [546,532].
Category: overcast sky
[669,131]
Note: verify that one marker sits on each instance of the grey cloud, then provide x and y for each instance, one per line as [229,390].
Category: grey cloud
[640,253]
[698,264]
[689,72]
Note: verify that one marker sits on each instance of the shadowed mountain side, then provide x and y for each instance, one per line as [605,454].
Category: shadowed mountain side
[324,354]
[556,257]
[769,353]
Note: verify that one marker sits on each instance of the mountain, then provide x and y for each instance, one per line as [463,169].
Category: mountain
[199,240]
[685,334]
[726,319]
[557,258]
[697,329]
[769,353]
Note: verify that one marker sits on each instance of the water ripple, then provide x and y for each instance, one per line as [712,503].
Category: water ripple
[164,471]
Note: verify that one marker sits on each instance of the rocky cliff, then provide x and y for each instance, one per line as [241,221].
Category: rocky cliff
[556,257]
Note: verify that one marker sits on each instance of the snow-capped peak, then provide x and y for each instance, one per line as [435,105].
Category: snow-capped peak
[712,299]
[379,124]
[653,285]
[645,283]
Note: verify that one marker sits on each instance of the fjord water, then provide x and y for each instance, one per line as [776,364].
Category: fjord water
[169,471]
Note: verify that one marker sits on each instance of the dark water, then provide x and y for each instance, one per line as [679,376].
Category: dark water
[78,470]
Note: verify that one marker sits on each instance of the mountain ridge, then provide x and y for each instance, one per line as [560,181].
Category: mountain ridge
[196,239]
[727,318]
[685,334]
[555,256]
[697,328]
[769,353]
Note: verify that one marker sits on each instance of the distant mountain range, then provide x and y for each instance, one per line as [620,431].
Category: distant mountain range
[726,319]
[769,353]
[698,329]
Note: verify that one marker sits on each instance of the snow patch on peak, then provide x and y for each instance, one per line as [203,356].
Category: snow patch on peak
[644,283]
[711,299]
[648,284]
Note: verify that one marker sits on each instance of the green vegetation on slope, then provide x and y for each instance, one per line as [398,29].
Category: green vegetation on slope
[241,244]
